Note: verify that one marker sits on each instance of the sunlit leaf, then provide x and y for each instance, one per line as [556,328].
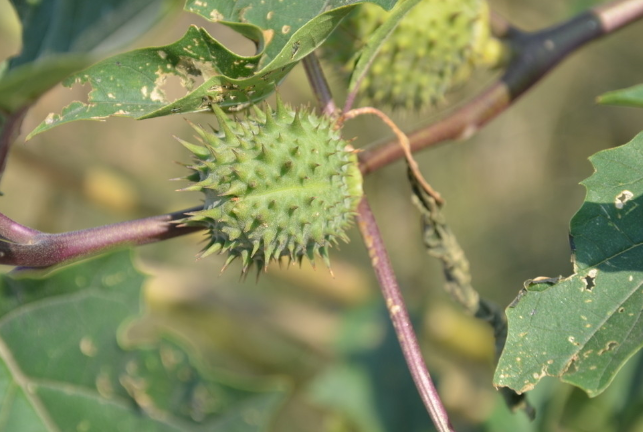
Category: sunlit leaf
[131,84]
[585,327]
[278,20]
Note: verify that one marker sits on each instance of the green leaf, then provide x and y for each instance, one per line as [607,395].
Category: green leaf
[131,84]
[62,38]
[278,20]
[632,96]
[585,327]
[61,367]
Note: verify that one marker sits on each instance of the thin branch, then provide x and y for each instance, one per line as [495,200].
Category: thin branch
[617,14]
[402,140]
[400,317]
[318,82]
[535,55]
[30,248]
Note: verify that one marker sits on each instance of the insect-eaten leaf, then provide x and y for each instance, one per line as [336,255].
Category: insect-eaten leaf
[133,84]
[583,328]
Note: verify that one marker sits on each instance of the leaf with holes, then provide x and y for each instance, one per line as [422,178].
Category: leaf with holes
[61,367]
[583,328]
[283,24]
[132,84]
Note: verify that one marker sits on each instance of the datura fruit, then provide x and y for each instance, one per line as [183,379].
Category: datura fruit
[276,184]
[436,46]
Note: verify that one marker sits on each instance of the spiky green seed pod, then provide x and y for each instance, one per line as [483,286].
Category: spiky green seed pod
[276,184]
[434,47]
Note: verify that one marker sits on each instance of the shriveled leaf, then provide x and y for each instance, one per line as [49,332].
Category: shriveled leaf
[61,367]
[585,327]
[131,84]
[632,96]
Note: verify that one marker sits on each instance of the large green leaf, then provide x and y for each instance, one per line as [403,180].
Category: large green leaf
[585,327]
[131,84]
[61,366]
[62,37]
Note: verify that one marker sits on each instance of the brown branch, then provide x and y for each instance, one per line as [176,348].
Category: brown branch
[535,55]
[400,317]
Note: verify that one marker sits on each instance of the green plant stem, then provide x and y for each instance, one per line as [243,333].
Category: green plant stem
[26,247]
[320,87]
[535,55]
[400,317]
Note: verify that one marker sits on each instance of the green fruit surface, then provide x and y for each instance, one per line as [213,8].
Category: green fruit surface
[434,47]
[275,184]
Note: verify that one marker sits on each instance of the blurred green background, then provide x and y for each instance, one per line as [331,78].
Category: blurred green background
[511,191]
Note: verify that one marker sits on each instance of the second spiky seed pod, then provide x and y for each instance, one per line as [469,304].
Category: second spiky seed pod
[276,184]
[434,47]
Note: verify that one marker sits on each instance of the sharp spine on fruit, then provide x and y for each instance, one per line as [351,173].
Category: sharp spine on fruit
[242,166]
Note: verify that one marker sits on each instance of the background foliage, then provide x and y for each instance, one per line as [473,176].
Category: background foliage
[511,191]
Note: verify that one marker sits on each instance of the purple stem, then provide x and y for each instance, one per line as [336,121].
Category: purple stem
[400,317]
[318,82]
[26,247]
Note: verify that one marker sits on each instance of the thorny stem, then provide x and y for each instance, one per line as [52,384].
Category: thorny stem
[26,247]
[400,317]
[318,82]
[535,55]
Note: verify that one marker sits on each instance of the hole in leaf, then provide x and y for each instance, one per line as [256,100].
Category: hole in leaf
[589,280]
[608,347]
[622,198]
